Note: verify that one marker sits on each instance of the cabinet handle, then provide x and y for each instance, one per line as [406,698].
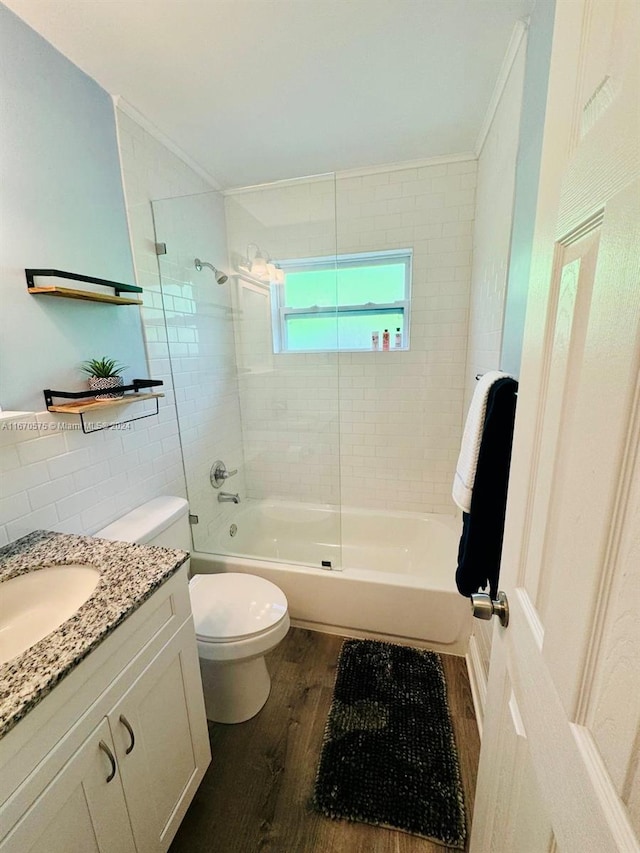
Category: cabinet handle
[111,758]
[127,726]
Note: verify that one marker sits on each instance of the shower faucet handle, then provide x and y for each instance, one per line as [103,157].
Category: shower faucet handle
[219,473]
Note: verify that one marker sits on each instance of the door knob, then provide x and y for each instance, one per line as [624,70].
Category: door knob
[483,607]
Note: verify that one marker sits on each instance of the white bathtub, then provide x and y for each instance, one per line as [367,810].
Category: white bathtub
[397,577]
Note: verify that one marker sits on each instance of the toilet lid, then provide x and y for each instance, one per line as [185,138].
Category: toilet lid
[233,605]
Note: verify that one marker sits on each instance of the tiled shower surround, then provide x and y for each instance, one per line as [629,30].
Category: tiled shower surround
[198,333]
[364,429]
[372,429]
[54,476]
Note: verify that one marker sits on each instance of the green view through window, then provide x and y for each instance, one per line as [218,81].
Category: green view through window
[339,303]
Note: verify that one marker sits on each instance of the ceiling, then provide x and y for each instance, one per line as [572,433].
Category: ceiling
[260,90]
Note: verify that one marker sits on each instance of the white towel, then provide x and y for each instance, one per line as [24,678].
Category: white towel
[468,459]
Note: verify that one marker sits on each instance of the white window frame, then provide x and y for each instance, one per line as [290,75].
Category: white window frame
[280,311]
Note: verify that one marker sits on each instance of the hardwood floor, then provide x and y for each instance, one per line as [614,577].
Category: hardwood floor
[255,795]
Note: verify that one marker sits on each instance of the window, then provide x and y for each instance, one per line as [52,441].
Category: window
[338,303]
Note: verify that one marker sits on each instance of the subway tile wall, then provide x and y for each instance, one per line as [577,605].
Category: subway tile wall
[55,477]
[492,231]
[201,340]
[289,403]
[377,430]
[371,429]
[492,241]
[401,412]
[195,351]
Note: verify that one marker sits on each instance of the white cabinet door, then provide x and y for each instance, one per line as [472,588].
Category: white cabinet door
[79,811]
[160,732]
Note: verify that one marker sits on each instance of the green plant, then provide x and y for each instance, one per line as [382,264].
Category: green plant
[102,368]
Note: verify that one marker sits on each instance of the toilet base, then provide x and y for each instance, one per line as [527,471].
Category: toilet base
[234,691]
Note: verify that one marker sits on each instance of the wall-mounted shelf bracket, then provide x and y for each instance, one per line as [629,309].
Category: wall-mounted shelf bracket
[87,295]
[87,403]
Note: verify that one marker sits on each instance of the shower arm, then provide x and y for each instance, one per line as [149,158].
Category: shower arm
[220,277]
[199,264]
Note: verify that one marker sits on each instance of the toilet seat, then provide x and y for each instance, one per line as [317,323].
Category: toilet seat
[246,649]
[237,615]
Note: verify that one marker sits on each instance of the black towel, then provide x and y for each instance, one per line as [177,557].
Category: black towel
[483,527]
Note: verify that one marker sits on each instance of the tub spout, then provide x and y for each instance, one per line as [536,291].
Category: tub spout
[227,497]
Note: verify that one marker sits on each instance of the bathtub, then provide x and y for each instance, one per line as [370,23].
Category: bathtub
[392,577]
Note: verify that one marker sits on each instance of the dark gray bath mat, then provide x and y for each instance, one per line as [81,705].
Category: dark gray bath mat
[389,755]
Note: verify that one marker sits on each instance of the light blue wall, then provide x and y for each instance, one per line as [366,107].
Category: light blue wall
[61,207]
[527,174]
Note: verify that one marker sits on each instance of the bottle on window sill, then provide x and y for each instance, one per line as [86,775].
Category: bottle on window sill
[385,339]
[375,340]
[398,342]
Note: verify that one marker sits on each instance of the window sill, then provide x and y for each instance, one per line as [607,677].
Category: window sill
[339,351]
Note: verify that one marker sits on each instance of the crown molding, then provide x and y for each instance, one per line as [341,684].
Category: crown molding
[361,171]
[153,130]
[284,182]
[518,34]
[407,164]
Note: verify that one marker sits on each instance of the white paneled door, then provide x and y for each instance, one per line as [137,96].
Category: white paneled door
[560,764]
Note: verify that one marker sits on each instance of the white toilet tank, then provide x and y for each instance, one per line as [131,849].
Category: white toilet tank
[162,521]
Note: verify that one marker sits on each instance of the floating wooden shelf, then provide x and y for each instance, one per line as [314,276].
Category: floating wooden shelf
[94,405]
[87,295]
[86,402]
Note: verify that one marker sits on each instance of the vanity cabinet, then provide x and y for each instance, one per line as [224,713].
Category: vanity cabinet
[79,811]
[155,750]
[124,772]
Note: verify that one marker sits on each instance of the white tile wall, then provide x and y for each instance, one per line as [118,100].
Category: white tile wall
[491,247]
[290,424]
[373,429]
[55,477]
[400,412]
[202,345]
[492,231]
[195,353]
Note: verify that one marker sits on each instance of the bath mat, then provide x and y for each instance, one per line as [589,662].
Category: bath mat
[389,755]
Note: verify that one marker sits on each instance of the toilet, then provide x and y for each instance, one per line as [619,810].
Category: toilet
[238,617]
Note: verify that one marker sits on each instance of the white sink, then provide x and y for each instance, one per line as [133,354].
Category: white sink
[36,603]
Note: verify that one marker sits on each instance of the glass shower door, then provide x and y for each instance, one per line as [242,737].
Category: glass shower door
[287,376]
[254,388]
[198,327]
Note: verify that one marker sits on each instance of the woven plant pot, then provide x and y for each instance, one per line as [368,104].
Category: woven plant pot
[101,384]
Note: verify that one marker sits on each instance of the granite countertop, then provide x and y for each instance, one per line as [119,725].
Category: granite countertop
[129,574]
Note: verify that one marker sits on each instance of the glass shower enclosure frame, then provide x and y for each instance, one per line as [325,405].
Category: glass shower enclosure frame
[259,427]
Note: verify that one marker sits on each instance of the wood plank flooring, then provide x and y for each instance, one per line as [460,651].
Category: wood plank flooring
[255,795]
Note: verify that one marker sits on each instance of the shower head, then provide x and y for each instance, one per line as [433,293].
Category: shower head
[220,277]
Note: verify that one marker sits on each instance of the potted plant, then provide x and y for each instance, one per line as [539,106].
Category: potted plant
[104,373]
